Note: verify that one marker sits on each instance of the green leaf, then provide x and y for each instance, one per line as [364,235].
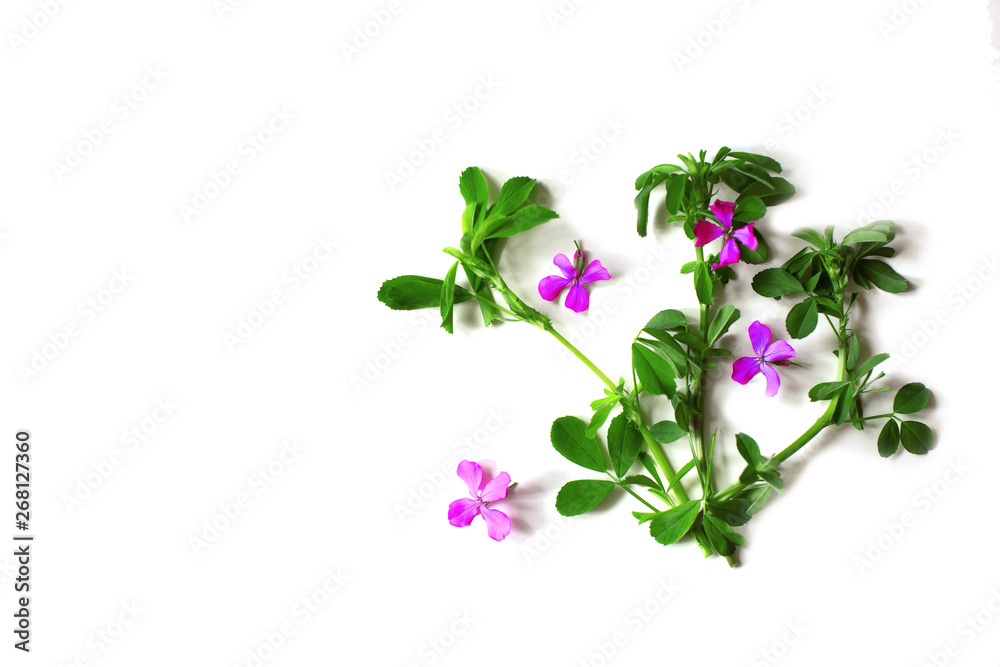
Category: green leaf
[598,419]
[582,495]
[779,192]
[810,236]
[853,351]
[776,282]
[655,373]
[624,444]
[640,480]
[760,254]
[527,218]
[667,320]
[869,365]
[670,349]
[802,319]
[726,530]
[865,236]
[882,276]
[513,193]
[732,511]
[748,449]
[670,526]
[758,497]
[773,478]
[760,160]
[724,319]
[414,292]
[642,199]
[703,283]
[473,186]
[676,188]
[448,299]
[911,398]
[647,462]
[826,390]
[569,439]
[917,438]
[888,439]
[749,209]
[666,432]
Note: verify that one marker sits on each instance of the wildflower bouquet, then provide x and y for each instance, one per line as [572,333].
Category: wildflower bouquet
[671,355]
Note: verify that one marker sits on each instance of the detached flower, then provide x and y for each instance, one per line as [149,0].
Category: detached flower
[575,277]
[745,368]
[464,510]
[706,232]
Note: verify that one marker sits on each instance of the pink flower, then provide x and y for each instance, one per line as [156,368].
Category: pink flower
[767,353]
[464,510]
[575,277]
[706,232]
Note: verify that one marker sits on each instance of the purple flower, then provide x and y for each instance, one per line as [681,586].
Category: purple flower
[464,510]
[706,232]
[575,277]
[767,353]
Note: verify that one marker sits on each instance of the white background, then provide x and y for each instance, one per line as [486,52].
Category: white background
[842,100]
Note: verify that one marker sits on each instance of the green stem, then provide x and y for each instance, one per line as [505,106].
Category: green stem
[655,448]
[637,496]
[582,357]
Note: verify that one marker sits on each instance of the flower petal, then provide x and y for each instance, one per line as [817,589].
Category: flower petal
[723,210]
[497,523]
[745,368]
[463,511]
[745,236]
[706,232]
[594,272]
[496,488]
[730,254]
[578,300]
[552,286]
[773,381]
[779,350]
[472,474]
[760,337]
[566,266]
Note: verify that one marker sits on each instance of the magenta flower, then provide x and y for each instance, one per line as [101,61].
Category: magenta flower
[706,232]
[575,277]
[767,353]
[464,510]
